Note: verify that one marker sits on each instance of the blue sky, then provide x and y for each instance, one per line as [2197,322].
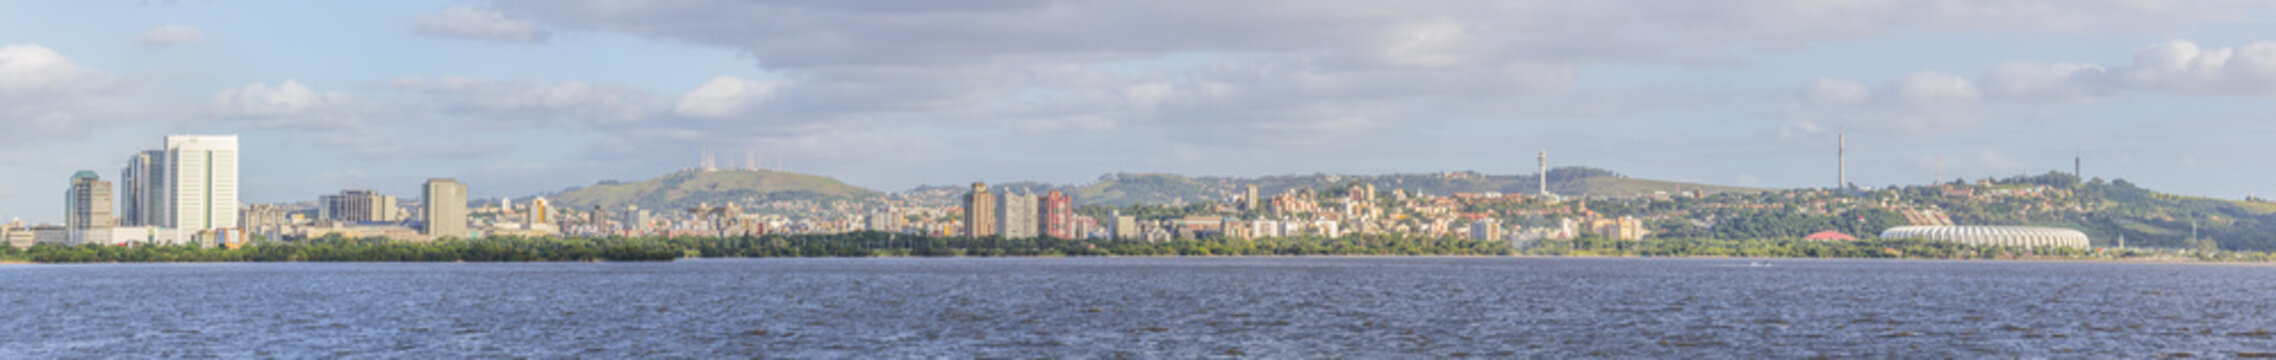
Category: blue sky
[519,97]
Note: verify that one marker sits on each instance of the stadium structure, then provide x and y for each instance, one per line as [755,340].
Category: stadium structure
[2018,236]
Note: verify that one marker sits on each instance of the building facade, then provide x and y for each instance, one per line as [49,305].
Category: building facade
[443,208]
[200,182]
[141,189]
[1018,216]
[359,206]
[1058,215]
[979,211]
[540,214]
[88,203]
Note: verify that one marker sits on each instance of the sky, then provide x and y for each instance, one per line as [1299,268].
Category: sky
[519,97]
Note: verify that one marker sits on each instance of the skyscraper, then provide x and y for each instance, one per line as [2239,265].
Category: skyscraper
[540,212]
[88,202]
[1058,215]
[201,182]
[445,208]
[1016,213]
[1248,201]
[142,189]
[979,211]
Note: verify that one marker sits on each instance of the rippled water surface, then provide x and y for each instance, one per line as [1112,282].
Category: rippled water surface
[1140,308]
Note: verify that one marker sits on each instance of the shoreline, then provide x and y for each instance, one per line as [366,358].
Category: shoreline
[1452,256]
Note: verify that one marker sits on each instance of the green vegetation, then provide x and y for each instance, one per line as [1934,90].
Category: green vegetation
[335,249]
[873,244]
[686,189]
[1129,189]
[1872,248]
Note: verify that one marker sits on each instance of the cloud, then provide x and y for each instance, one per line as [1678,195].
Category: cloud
[468,22]
[2049,82]
[2181,66]
[35,69]
[1934,88]
[2178,66]
[1308,72]
[724,96]
[286,105]
[45,96]
[533,102]
[1835,92]
[1917,103]
[171,35]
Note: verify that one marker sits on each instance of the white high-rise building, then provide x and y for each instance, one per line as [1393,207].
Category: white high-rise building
[201,182]
[1017,215]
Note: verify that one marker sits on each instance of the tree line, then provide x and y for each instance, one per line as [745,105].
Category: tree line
[878,244]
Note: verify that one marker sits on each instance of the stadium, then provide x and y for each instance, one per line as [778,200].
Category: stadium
[2019,236]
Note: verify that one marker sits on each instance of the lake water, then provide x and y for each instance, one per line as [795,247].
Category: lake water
[1140,308]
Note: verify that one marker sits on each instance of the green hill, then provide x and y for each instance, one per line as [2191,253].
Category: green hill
[1127,188]
[690,188]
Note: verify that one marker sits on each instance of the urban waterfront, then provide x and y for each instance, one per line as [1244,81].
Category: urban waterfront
[1142,307]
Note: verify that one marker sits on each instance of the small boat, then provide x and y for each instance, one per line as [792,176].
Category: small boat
[1759,264]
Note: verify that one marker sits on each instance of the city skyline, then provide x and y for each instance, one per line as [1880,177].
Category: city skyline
[540,96]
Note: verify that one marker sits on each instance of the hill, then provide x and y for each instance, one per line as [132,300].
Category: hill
[690,188]
[1154,188]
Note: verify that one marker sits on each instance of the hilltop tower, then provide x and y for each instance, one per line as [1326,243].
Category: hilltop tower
[710,162]
[1841,159]
[1544,174]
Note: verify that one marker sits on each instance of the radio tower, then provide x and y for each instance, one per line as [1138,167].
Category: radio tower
[1544,172]
[710,161]
[1841,159]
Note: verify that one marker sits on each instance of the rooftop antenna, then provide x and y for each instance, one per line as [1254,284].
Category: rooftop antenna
[1939,169]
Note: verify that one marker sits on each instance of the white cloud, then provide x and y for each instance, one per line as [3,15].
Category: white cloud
[1934,88]
[475,23]
[45,96]
[2040,81]
[1835,92]
[286,104]
[171,35]
[724,96]
[34,68]
[2182,66]
[512,101]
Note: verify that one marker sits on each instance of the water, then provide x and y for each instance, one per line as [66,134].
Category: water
[1140,308]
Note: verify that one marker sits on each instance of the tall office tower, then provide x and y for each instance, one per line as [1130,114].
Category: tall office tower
[88,202]
[1249,200]
[1017,215]
[201,182]
[1058,215]
[142,189]
[540,212]
[445,207]
[979,211]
